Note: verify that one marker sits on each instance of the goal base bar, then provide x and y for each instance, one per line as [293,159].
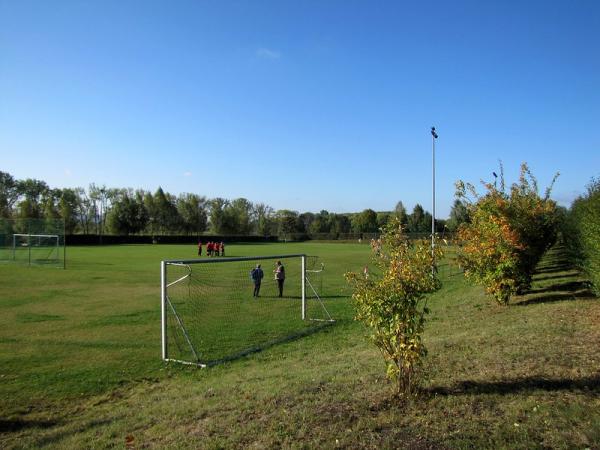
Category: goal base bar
[189,363]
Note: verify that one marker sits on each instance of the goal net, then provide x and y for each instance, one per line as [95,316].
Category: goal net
[32,241]
[36,248]
[210,313]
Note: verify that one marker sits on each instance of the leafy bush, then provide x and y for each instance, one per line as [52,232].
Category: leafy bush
[507,234]
[582,232]
[391,301]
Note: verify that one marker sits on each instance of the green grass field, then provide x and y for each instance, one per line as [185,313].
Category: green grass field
[80,365]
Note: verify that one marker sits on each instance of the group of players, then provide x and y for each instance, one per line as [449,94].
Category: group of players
[212,248]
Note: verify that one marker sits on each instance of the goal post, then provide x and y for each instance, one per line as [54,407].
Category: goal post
[210,314]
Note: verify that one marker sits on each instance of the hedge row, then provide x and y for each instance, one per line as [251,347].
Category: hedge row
[582,232]
[108,239]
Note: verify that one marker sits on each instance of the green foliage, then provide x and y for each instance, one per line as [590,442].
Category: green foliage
[68,204]
[400,213]
[391,302]
[8,194]
[419,221]
[581,232]
[288,222]
[265,222]
[128,215]
[507,234]
[459,214]
[192,210]
[365,222]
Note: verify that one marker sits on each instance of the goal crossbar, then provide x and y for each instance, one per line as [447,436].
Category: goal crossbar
[36,235]
[241,258]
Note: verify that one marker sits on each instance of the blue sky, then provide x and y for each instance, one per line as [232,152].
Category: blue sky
[301,105]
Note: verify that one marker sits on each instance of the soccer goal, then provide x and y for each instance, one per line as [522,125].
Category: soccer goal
[36,248]
[33,242]
[210,313]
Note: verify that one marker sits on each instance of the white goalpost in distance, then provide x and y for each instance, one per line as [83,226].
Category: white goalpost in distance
[209,313]
[35,247]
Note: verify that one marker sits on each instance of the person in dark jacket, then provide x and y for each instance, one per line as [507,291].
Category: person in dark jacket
[280,276]
[257,276]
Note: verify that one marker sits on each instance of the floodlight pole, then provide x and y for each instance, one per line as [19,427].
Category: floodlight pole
[163,309]
[434,136]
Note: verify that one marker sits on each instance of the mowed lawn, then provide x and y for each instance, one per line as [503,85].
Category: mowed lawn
[80,365]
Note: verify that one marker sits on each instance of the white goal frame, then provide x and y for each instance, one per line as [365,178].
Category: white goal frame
[165,302]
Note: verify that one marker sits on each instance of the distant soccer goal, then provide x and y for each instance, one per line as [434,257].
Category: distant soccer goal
[32,241]
[210,312]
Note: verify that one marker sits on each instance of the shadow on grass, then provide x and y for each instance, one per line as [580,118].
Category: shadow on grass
[554,268]
[570,288]
[589,384]
[61,434]
[540,277]
[319,326]
[7,426]
[587,294]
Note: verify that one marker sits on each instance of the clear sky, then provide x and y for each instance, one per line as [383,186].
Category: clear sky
[299,104]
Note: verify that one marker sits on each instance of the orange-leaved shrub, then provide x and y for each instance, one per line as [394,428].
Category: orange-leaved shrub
[507,234]
[390,301]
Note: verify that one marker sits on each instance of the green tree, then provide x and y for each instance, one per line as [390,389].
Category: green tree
[321,223]
[419,221]
[127,215]
[459,214]
[98,205]
[340,224]
[400,213]
[49,205]
[239,216]
[288,222]
[167,216]
[67,206]
[383,218]
[218,219]
[9,193]
[365,222]
[307,218]
[31,191]
[581,231]
[192,210]
[265,223]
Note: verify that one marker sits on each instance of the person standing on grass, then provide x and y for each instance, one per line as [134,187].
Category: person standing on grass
[199,248]
[279,276]
[257,276]
[222,249]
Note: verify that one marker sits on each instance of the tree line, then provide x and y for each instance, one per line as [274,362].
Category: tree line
[124,211]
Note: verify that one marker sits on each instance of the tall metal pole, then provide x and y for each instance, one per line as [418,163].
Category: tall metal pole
[163,309]
[434,136]
[303,268]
